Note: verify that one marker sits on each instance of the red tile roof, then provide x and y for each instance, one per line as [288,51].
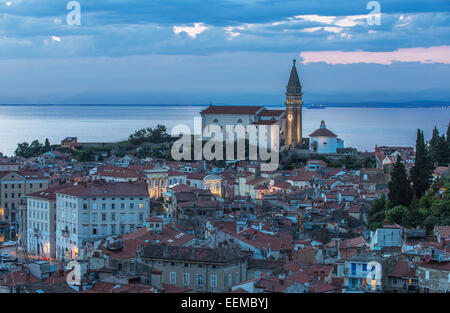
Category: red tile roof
[106,189]
[231,110]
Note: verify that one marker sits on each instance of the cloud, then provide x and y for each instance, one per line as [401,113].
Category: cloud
[198,28]
[439,54]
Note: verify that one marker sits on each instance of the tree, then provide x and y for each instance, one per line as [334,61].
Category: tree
[47,146]
[400,192]
[434,143]
[376,213]
[448,143]
[29,150]
[423,167]
[397,215]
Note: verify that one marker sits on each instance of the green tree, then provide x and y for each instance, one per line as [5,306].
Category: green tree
[47,146]
[376,213]
[423,167]
[434,144]
[400,192]
[448,143]
[398,214]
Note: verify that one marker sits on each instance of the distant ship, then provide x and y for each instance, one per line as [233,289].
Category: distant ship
[315,106]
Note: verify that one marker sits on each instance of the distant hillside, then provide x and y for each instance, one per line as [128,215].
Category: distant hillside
[409,104]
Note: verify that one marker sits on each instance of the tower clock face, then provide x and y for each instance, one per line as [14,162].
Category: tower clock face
[290,117]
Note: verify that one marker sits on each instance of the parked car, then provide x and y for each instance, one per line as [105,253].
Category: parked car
[9,243]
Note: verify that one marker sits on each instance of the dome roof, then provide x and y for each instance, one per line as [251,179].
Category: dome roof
[323,132]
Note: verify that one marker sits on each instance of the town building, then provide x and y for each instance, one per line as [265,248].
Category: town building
[90,211]
[324,140]
[200,269]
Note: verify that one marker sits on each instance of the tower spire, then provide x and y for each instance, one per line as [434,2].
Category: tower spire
[293,86]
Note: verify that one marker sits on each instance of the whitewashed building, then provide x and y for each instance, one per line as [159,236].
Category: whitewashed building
[41,222]
[97,210]
[324,140]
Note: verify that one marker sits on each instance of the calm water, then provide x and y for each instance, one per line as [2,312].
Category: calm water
[361,128]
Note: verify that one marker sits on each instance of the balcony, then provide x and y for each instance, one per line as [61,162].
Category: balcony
[65,233]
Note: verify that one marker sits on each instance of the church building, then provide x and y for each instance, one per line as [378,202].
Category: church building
[288,120]
[324,140]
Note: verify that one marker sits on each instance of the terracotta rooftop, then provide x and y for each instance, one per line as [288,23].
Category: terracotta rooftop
[106,189]
[231,110]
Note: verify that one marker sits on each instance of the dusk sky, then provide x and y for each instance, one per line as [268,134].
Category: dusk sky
[223,51]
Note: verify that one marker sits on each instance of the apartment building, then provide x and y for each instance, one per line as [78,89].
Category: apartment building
[200,269]
[13,187]
[365,272]
[40,232]
[91,211]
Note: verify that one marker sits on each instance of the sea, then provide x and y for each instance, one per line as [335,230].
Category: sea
[360,128]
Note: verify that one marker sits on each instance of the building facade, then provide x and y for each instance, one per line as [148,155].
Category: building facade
[199,269]
[97,210]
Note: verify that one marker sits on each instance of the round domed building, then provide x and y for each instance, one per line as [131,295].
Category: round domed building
[324,140]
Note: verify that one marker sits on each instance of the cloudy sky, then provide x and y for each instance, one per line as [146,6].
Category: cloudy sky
[223,51]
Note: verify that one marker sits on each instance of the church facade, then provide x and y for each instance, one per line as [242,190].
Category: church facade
[289,120]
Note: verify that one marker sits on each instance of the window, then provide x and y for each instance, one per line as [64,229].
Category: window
[236,278]
[230,279]
[113,206]
[113,217]
[200,280]
[257,274]
[427,274]
[131,205]
[173,278]
[103,217]
[103,206]
[364,267]
[186,279]
[213,281]
[113,229]
[353,268]
[94,217]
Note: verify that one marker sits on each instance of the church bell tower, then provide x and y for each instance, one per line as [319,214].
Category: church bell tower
[293,109]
